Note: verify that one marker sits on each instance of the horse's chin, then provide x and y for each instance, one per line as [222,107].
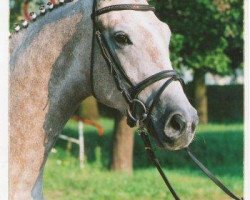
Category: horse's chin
[165,141]
[176,145]
[172,147]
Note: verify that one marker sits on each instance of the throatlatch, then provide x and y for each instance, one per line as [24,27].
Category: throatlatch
[131,92]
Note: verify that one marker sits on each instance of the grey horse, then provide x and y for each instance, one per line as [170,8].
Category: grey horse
[50,63]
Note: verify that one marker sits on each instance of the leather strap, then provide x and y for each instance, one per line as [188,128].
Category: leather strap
[155,161]
[117,72]
[120,7]
[161,90]
[110,58]
[92,59]
[211,176]
[134,91]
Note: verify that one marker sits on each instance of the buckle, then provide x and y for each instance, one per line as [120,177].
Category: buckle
[136,120]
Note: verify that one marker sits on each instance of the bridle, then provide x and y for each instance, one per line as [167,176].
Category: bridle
[123,83]
[131,92]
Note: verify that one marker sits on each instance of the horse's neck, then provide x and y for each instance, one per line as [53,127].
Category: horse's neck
[49,72]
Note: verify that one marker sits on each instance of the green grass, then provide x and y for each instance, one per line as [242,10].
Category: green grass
[219,146]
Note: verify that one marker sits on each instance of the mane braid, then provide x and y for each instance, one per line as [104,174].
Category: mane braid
[38,16]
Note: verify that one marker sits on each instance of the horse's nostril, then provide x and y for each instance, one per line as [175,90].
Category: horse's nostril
[177,122]
[193,127]
[175,125]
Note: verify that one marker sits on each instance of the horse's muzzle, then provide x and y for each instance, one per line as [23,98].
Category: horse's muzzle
[180,129]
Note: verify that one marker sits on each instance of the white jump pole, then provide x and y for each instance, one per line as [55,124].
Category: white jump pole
[81,143]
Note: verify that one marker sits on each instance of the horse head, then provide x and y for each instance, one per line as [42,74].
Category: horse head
[138,43]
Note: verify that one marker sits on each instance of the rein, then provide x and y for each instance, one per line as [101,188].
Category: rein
[131,92]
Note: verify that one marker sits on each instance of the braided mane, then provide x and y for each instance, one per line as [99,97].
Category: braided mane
[49,7]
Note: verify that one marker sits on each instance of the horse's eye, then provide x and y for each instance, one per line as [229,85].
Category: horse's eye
[122,38]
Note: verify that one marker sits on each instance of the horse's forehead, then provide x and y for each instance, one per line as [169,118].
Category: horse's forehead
[129,19]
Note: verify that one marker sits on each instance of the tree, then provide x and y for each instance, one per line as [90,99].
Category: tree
[122,159]
[207,37]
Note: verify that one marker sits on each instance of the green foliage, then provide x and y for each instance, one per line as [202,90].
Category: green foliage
[177,42]
[217,145]
[16,10]
[206,34]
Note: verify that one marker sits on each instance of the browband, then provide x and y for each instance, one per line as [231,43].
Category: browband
[140,7]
